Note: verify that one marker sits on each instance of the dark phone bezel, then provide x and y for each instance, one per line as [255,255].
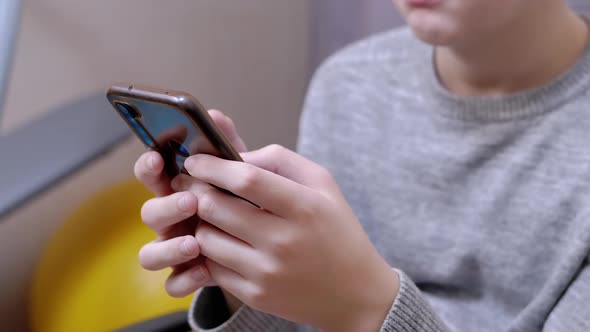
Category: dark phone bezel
[182,101]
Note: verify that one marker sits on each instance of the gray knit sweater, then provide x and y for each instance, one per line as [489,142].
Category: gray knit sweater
[483,203]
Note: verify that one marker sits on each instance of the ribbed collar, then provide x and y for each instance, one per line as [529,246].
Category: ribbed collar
[532,102]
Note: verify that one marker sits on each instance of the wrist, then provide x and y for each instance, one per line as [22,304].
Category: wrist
[373,315]
[370,312]
[232,302]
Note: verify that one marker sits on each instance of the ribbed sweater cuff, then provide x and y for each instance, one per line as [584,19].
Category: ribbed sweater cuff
[410,311]
[246,319]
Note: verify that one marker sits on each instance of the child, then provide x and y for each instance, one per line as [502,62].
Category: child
[463,154]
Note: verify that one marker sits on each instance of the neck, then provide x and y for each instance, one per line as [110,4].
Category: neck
[529,53]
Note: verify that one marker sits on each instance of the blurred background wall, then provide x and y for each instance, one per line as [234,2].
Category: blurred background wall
[338,22]
[249,59]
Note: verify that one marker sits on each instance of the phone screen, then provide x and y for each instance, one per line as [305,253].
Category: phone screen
[166,129]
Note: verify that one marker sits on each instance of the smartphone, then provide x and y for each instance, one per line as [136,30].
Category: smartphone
[174,123]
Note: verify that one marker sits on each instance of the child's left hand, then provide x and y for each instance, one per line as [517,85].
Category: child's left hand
[303,256]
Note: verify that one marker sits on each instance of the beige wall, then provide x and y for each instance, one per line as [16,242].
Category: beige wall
[248,58]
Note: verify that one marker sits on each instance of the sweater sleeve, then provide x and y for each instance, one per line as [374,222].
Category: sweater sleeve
[410,313]
[208,313]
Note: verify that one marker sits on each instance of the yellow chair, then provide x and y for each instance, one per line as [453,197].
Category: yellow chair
[89,277]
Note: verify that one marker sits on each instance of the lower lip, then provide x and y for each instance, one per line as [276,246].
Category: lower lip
[423,3]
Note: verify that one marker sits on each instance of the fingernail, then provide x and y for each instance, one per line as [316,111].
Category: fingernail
[190,247]
[152,163]
[199,273]
[188,163]
[184,203]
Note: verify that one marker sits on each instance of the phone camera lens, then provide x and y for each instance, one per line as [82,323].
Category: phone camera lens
[129,111]
[179,148]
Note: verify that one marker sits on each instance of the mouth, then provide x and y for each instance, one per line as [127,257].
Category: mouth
[422,3]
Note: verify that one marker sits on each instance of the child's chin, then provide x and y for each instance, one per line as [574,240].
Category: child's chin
[432,29]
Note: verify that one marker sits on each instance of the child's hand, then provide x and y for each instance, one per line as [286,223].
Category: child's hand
[172,216]
[303,256]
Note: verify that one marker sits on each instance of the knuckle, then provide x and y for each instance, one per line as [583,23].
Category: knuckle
[324,175]
[268,273]
[203,234]
[185,204]
[276,149]
[183,250]
[207,205]
[283,247]
[257,296]
[248,179]
[307,211]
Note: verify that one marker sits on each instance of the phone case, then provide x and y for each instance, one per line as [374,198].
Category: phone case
[173,123]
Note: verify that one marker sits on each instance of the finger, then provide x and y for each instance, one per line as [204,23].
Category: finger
[185,227]
[284,162]
[182,283]
[149,170]
[256,185]
[229,280]
[228,128]
[270,191]
[184,182]
[159,255]
[202,144]
[169,142]
[162,212]
[225,249]
[228,213]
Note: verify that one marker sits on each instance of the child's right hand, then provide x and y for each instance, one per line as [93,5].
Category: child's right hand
[175,245]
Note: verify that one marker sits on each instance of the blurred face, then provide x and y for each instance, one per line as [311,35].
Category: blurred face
[460,22]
